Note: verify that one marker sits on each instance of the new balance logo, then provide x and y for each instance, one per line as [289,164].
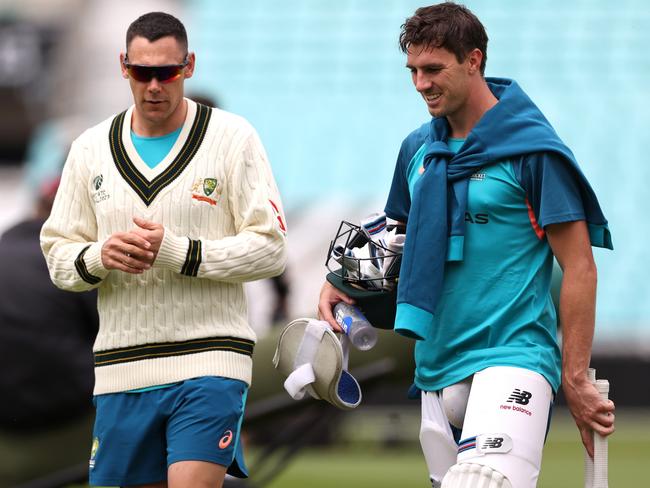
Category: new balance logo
[495,442]
[521,397]
[492,443]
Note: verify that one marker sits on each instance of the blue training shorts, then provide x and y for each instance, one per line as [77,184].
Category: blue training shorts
[138,435]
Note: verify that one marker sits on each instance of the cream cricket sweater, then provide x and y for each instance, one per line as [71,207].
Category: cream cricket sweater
[217,199]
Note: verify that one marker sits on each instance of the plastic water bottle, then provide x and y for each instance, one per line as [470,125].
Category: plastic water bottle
[356,326]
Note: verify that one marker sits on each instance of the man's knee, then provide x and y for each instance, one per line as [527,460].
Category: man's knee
[197,474]
[454,401]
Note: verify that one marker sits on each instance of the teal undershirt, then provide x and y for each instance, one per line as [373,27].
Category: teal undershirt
[455,144]
[153,150]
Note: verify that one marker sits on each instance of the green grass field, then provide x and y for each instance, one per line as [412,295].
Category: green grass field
[359,461]
[361,466]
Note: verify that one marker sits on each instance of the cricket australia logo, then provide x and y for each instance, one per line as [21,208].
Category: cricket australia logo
[520,396]
[93,452]
[99,194]
[206,190]
[209,185]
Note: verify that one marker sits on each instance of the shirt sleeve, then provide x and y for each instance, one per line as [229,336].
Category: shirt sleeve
[552,189]
[69,236]
[399,199]
[398,205]
[258,249]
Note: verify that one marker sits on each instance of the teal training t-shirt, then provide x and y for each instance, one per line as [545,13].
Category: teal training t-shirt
[495,307]
[153,150]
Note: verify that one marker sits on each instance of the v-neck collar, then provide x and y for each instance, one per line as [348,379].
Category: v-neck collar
[148,182]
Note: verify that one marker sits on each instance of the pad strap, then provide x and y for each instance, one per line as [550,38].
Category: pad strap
[303,370]
[296,382]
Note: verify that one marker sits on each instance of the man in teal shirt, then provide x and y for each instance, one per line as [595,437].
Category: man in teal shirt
[490,195]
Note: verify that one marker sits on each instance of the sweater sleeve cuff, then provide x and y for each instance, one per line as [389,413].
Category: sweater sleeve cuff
[89,264]
[180,254]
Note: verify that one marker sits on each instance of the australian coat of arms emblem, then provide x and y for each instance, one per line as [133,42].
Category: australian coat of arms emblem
[205,190]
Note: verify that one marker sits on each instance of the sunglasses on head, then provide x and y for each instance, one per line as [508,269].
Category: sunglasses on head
[164,74]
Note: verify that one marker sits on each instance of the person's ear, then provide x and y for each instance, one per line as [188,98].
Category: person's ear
[191,62]
[122,67]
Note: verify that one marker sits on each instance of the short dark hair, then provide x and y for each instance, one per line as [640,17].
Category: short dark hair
[447,25]
[156,25]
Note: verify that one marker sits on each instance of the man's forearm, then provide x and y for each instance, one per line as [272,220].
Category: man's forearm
[577,319]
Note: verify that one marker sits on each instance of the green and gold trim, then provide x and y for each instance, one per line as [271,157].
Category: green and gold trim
[80,266]
[171,349]
[192,259]
[147,190]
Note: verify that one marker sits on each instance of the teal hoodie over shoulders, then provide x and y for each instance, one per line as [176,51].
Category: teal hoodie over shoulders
[437,213]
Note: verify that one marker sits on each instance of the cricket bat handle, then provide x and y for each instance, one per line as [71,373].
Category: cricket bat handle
[600,444]
[595,469]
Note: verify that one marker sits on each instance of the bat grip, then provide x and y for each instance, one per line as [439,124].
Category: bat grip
[600,444]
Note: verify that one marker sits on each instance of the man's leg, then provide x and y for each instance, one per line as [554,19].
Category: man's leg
[504,430]
[127,448]
[191,474]
[195,474]
[204,433]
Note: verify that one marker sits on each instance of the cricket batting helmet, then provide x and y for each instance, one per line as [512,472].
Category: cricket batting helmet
[364,262]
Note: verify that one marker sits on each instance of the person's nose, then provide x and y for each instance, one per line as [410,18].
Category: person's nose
[421,81]
[153,85]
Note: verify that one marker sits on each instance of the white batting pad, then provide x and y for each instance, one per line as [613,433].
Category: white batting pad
[505,423]
[469,475]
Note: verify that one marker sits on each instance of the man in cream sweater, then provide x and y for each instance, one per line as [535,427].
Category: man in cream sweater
[167,208]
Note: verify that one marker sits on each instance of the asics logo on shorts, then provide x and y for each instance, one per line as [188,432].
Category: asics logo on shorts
[226,439]
[521,397]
